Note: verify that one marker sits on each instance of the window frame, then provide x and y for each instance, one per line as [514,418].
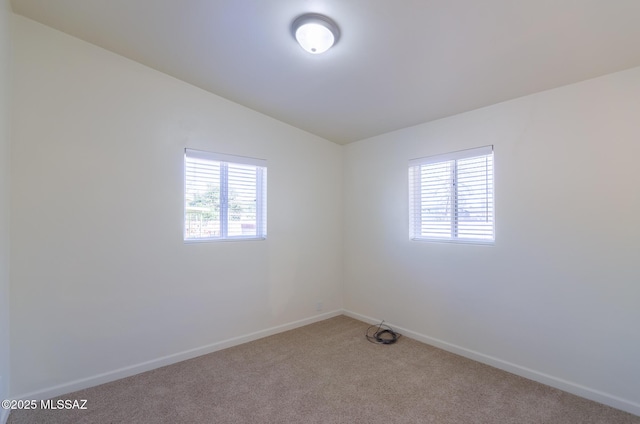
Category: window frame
[224,160]
[415,196]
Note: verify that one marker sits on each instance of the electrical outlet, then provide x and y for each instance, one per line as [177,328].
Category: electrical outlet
[319,306]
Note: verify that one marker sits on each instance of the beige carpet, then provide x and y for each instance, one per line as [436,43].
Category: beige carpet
[328,373]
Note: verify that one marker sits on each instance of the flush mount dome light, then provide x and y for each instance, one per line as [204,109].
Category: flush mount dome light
[315,33]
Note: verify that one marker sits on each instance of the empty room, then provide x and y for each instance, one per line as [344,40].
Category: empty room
[319,211]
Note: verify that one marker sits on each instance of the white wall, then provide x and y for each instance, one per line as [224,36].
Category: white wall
[557,298]
[5,167]
[101,279]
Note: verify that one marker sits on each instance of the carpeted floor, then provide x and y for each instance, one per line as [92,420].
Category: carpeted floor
[327,373]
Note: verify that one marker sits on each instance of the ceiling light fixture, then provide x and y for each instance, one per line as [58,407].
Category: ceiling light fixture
[315,33]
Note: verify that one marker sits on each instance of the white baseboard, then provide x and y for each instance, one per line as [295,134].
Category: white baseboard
[4,415]
[107,377]
[568,386]
[559,383]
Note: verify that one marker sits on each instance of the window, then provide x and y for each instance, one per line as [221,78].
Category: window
[451,197]
[225,197]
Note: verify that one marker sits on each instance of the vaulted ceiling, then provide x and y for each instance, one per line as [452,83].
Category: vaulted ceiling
[397,63]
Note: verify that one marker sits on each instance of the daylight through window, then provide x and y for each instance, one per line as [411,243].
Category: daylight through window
[225,197]
[451,196]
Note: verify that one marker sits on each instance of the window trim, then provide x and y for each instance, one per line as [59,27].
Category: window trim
[414,187]
[261,195]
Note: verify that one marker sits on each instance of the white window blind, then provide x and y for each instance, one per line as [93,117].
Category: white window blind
[225,197]
[451,196]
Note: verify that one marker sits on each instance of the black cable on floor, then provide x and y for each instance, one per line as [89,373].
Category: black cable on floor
[383,334]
